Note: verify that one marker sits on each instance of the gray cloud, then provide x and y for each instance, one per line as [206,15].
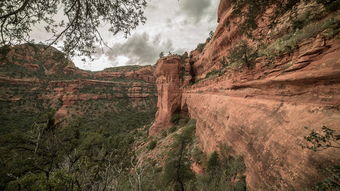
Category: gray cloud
[195,9]
[141,49]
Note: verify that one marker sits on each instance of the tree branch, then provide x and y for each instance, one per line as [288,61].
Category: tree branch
[23,6]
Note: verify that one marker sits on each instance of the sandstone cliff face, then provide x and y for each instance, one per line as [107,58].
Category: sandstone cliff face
[168,88]
[261,111]
[33,81]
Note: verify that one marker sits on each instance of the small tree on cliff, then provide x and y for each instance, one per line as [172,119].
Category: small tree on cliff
[161,55]
[242,55]
[177,171]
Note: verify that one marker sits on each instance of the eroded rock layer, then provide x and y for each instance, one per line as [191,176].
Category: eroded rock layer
[261,111]
[35,80]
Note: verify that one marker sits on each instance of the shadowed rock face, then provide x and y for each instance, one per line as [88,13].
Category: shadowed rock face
[260,112]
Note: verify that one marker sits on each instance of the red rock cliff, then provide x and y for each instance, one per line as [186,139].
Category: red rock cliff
[169,92]
[261,111]
[29,75]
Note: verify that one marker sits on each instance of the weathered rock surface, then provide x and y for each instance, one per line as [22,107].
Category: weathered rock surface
[260,112]
[169,92]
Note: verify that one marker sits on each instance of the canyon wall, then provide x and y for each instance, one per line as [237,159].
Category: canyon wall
[35,80]
[261,111]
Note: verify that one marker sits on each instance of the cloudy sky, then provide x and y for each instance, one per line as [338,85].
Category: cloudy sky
[172,25]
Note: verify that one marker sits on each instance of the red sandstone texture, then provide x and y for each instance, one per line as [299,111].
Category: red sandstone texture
[168,88]
[260,112]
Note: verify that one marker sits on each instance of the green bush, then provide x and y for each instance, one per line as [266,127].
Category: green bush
[152,145]
[175,118]
[330,5]
[200,47]
[221,171]
[214,73]
[289,42]
[177,172]
[172,129]
[242,55]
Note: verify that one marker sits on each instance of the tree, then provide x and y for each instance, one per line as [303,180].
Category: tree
[317,141]
[79,25]
[161,55]
[242,55]
[323,140]
[177,171]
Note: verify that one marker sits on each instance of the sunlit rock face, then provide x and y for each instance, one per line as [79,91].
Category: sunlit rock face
[261,111]
[169,92]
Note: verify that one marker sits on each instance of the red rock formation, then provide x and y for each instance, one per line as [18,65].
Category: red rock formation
[60,85]
[224,5]
[169,92]
[260,112]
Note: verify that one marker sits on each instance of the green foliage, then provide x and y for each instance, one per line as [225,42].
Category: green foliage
[289,42]
[320,141]
[78,30]
[161,55]
[175,118]
[177,172]
[331,182]
[201,46]
[197,155]
[255,8]
[221,172]
[213,162]
[242,55]
[214,73]
[323,140]
[330,5]
[182,72]
[172,129]
[152,144]
[85,155]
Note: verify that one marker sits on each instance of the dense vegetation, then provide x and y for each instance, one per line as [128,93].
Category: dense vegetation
[222,171]
[83,156]
[48,157]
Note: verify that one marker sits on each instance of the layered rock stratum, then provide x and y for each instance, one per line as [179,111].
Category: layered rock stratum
[261,111]
[35,79]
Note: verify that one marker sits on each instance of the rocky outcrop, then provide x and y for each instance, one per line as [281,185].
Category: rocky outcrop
[224,5]
[169,92]
[263,120]
[261,111]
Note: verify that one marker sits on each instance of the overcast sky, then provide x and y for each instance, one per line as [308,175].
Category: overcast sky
[172,25]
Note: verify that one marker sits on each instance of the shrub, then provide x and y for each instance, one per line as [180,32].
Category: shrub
[222,172]
[289,42]
[177,172]
[164,134]
[172,129]
[241,185]
[214,73]
[330,5]
[242,55]
[197,155]
[152,145]
[175,118]
[200,47]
